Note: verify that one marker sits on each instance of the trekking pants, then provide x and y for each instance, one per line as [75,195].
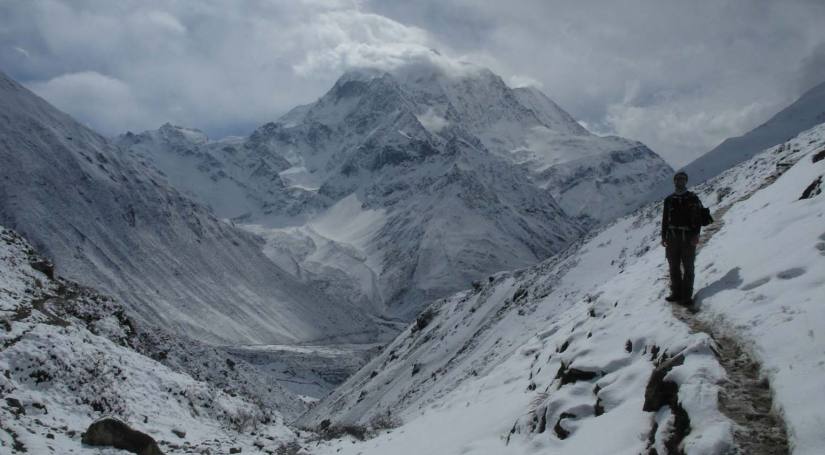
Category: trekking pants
[680,258]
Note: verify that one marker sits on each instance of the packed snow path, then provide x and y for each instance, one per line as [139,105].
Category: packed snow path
[745,395]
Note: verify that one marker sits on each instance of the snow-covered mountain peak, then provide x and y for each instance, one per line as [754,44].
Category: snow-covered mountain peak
[442,153]
[548,113]
[193,135]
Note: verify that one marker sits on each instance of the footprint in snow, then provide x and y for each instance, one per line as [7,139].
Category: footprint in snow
[755,284]
[791,273]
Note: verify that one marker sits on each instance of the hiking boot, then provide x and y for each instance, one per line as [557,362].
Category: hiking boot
[673,298]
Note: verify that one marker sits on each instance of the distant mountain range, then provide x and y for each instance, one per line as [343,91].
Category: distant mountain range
[395,188]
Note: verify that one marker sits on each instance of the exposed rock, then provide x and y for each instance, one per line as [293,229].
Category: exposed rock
[114,433]
[424,319]
[44,266]
[813,189]
[659,393]
[558,429]
[598,409]
[571,375]
[15,405]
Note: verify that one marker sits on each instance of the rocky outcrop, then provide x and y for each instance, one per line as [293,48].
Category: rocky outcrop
[114,433]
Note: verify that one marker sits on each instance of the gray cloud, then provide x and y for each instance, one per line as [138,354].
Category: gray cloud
[222,66]
[680,76]
[812,69]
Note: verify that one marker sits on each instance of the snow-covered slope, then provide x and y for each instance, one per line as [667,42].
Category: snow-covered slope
[113,223]
[69,355]
[605,186]
[402,187]
[581,354]
[237,177]
[804,113]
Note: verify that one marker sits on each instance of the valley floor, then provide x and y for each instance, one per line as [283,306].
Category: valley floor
[309,371]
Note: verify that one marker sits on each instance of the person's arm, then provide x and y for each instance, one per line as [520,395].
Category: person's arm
[696,228]
[664,219]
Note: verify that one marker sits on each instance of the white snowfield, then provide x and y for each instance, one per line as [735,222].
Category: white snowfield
[557,358]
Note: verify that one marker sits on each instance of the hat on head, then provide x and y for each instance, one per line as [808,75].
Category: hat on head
[680,174]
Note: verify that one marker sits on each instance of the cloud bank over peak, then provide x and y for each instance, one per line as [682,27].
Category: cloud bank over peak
[224,67]
[353,39]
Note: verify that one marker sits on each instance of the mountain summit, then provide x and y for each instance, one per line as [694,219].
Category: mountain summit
[593,178]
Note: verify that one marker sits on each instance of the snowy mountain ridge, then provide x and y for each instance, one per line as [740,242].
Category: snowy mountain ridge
[581,354]
[449,176]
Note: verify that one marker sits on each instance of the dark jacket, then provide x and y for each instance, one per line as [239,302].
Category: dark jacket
[681,215]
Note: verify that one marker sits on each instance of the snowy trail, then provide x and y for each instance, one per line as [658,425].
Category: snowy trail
[745,396]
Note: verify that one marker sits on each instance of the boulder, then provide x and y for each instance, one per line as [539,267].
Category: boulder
[114,433]
[44,266]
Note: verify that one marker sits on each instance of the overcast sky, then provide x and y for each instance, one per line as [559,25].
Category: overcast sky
[680,76]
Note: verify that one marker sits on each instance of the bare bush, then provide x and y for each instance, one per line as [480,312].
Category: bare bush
[384,421]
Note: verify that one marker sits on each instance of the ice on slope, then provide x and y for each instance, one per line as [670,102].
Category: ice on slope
[491,358]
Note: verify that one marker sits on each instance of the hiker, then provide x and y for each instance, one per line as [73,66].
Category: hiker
[681,222]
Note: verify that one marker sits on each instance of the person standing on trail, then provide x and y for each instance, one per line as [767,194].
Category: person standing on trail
[681,223]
